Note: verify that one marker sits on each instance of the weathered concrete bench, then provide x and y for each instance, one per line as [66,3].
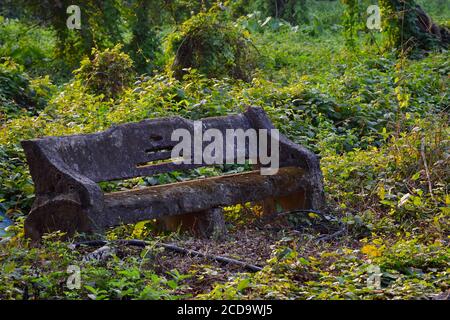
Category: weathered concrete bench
[66,170]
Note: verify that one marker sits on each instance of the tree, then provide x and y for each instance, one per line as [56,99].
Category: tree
[103,24]
[144,43]
[100,25]
[293,11]
[408,27]
[352,20]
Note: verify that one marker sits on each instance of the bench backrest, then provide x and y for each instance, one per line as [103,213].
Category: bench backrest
[125,151]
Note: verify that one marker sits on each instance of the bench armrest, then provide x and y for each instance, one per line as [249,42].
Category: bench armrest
[52,177]
[292,154]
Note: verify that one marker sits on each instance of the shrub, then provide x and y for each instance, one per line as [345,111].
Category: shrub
[13,84]
[408,27]
[108,73]
[214,46]
[19,94]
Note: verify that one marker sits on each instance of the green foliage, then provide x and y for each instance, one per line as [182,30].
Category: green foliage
[390,186]
[17,191]
[407,246]
[26,45]
[14,88]
[18,93]
[42,273]
[401,25]
[352,20]
[293,11]
[108,73]
[438,9]
[100,27]
[345,273]
[211,44]
[318,17]
[181,10]
[144,43]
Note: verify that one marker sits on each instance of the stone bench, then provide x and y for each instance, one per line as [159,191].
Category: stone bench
[66,170]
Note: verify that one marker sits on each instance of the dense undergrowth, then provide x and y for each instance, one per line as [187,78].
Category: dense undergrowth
[379,122]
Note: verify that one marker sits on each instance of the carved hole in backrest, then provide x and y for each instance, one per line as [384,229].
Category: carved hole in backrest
[152,152]
[156,137]
[157,162]
[158,156]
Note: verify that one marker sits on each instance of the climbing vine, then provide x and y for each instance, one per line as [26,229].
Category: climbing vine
[352,21]
[144,43]
[407,27]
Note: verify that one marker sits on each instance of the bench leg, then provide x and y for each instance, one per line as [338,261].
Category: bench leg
[60,214]
[215,224]
[291,202]
[206,224]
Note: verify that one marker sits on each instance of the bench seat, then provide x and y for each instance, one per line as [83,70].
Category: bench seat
[200,195]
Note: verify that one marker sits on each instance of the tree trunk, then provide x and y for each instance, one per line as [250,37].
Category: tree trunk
[409,27]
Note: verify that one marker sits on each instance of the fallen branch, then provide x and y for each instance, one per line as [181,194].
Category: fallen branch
[331,236]
[171,247]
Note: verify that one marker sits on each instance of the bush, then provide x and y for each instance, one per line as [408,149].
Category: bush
[19,94]
[409,28]
[214,46]
[13,88]
[108,73]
